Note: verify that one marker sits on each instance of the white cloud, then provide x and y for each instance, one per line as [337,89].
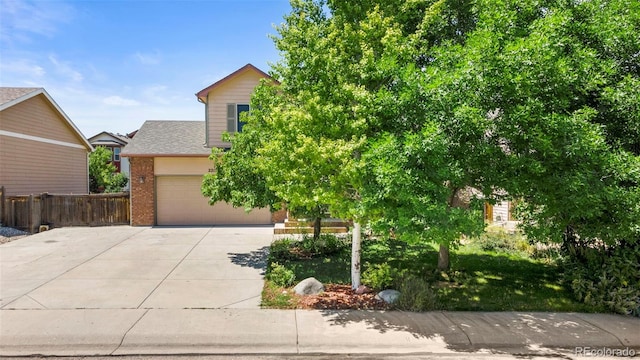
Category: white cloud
[20,19]
[65,69]
[24,68]
[148,59]
[116,100]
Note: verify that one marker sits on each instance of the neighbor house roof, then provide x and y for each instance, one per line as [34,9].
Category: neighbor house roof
[10,96]
[115,139]
[202,94]
[168,138]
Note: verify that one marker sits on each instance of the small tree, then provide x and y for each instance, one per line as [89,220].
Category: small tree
[102,173]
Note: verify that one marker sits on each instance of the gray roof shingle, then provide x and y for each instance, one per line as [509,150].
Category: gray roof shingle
[168,138]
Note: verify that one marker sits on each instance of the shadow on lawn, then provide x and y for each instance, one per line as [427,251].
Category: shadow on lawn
[256,259]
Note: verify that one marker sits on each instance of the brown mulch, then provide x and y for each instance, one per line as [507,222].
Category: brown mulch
[341,297]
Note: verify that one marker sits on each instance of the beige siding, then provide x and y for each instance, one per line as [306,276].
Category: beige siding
[32,167]
[37,117]
[180,202]
[501,211]
[182,165]
[237,90]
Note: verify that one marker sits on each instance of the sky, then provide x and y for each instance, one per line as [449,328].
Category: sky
[111,65]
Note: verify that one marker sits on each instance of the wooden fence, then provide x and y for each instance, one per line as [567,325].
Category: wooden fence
[30,212]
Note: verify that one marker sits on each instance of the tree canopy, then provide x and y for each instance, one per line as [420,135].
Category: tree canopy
[389,112]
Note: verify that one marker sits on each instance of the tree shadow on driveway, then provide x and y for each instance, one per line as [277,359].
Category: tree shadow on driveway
[256,259]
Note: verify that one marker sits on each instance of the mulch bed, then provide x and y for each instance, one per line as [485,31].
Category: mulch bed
[341,297]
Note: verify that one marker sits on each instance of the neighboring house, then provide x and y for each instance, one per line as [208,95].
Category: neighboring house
[502,214]
[169,158]
[41,150]
[115,143]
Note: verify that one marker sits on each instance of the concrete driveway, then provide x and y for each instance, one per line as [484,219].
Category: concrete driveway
[135,268]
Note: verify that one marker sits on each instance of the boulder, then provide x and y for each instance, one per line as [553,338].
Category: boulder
[363,289]
[309,286]
[389,296]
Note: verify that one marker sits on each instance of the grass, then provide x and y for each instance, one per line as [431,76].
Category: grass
[504,279]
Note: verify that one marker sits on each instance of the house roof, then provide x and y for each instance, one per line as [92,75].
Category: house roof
[202,94]
[10,96]
[168,138]
[115,139]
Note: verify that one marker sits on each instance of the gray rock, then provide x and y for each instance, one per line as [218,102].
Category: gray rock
[389,296]
[309,286]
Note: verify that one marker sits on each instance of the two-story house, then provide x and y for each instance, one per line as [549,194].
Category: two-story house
[169,158]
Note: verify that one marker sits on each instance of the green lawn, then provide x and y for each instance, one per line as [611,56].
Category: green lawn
[479,280]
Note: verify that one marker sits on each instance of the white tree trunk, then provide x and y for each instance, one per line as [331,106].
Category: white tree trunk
[355,257]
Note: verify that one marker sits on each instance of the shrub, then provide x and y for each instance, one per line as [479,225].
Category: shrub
[606,277]
[499,240]
[415,294]
[326,244]
[280,275]
[281,250]
[380,276]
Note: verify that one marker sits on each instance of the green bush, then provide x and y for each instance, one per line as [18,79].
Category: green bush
[605,277]
[281,250]
[416,294]
[280,275]
[326,244]
[378,276]
[499,240]
[290,249]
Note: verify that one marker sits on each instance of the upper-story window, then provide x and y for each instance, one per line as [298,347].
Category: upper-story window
[116,154]
[233,117]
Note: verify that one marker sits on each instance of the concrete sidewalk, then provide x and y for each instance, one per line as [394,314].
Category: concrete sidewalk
[158,291]
[250,331]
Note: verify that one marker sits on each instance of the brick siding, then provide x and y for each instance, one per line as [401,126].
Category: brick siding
[142,192]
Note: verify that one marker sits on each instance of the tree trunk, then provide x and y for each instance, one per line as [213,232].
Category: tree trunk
[443,258]
[355,257]
[317,227]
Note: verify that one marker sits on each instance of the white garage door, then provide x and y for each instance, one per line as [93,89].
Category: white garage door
[180,202]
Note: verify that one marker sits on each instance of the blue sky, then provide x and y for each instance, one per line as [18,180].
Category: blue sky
[111,65]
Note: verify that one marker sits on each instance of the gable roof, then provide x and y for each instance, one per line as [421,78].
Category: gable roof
[10,96]
[115,139]
[168,138]
[202,94]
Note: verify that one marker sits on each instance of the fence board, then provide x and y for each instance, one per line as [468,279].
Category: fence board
[29,212]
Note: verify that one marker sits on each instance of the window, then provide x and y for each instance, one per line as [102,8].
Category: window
[116,154]
[233,117]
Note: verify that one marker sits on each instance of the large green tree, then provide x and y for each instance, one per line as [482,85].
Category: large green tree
[389,112]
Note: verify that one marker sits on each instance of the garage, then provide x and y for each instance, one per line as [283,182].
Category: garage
[180,202]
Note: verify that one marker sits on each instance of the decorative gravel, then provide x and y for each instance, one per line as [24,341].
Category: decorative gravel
[8,234]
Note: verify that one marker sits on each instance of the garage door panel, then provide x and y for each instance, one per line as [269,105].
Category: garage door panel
[180,202]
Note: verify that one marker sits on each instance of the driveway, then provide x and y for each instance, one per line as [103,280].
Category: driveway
[126,267]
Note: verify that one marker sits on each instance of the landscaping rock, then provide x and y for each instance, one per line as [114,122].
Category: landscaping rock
[389,296]
[363,289]
[309,286]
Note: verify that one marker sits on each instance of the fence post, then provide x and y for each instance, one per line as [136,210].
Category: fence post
[44,209]
[30,213]
[2,205]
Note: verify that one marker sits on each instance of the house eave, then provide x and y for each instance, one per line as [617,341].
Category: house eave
[42,91]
